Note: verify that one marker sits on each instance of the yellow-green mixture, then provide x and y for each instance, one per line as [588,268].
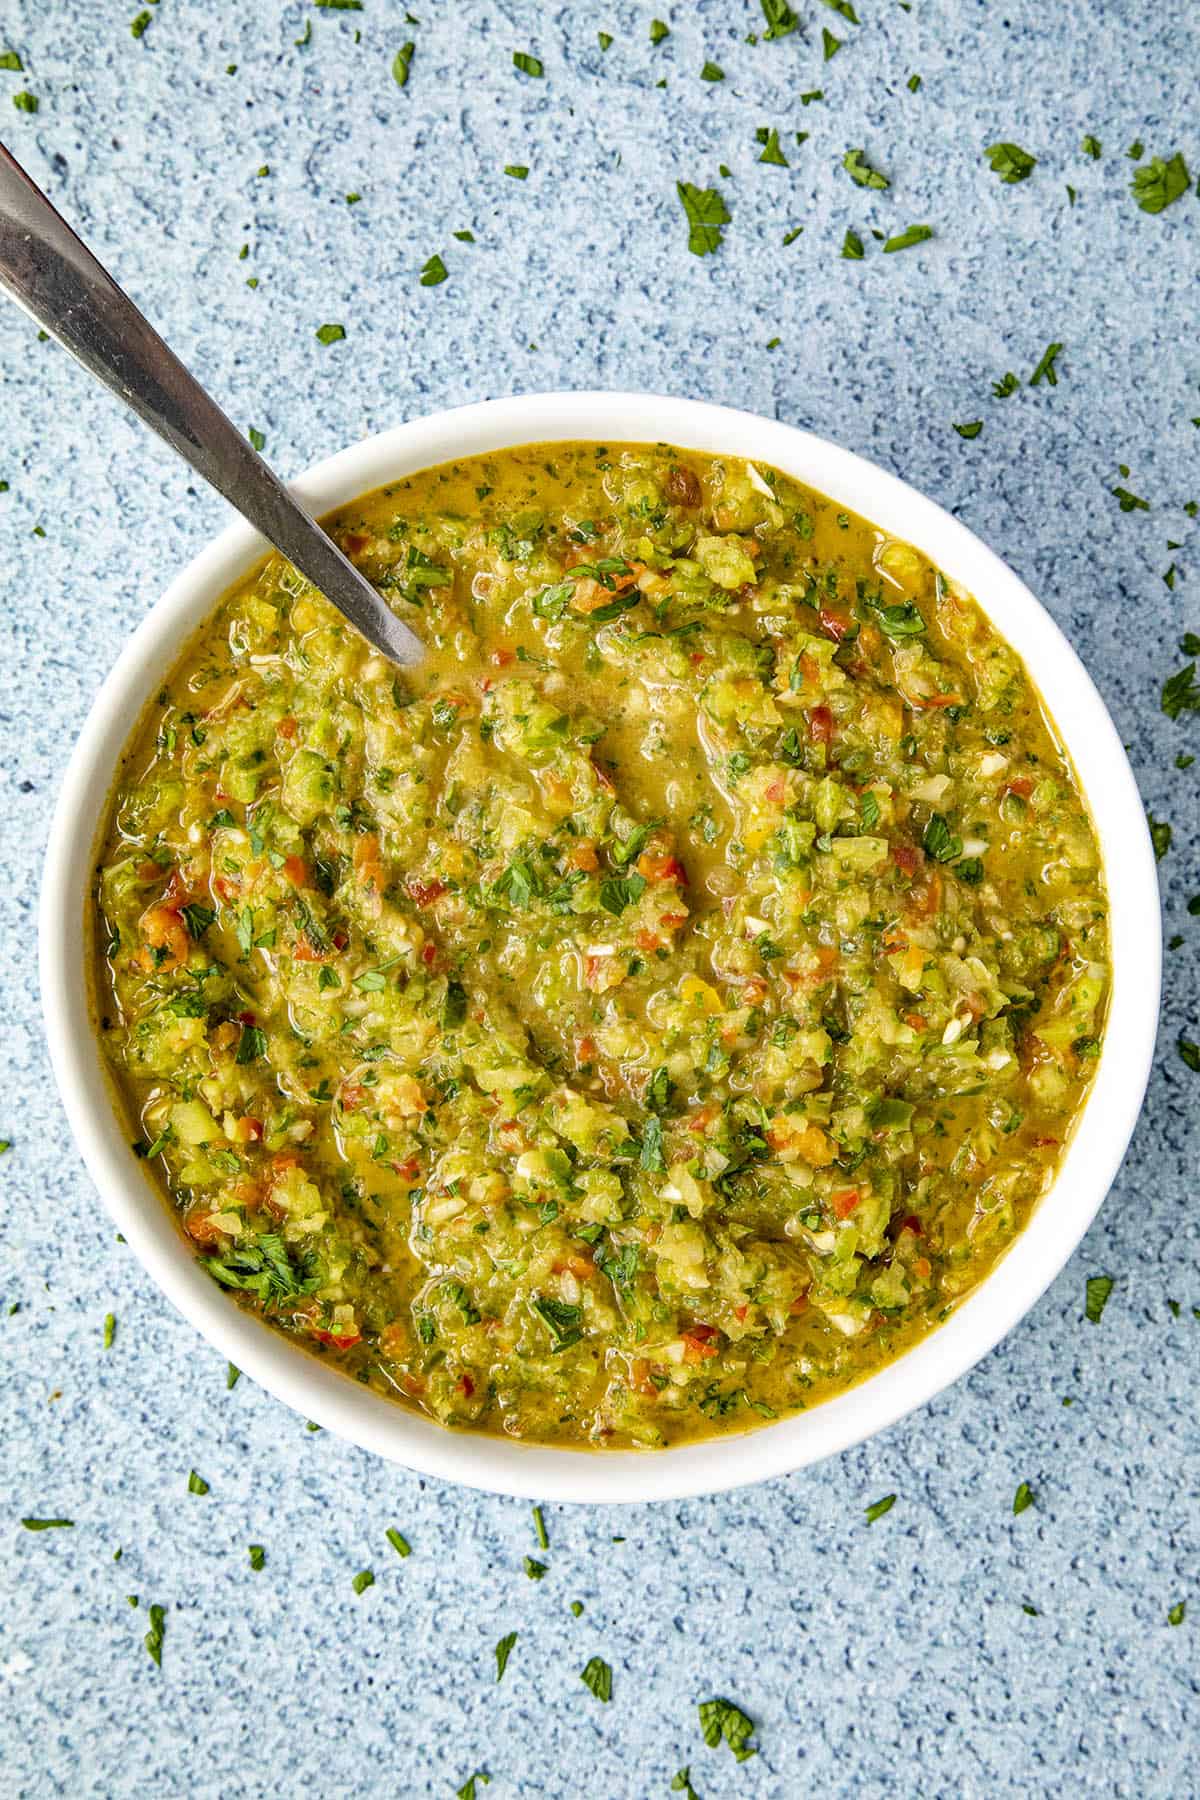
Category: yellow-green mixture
[650,1019]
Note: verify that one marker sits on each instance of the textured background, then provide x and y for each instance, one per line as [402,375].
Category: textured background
[890,1659]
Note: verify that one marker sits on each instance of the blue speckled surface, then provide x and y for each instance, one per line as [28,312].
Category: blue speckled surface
[885,1659]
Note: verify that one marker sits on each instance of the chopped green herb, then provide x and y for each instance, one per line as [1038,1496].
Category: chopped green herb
[1189,1055]
[721,1719]
[597,1677]
[526,64]
[1177,1613]
[434,272]
[539,1526]
[772,152]
[518,171]
[712,72]
[398,1541]
[1006,386]
[1091,147]
[681,1783]
[914,84]
[331,334]
[1046,370]
[706,213]
[257,439]
[503,1652]
[915,234]
[658,31]
[1098,1288]
[852,247]
[258,1556]
[1129,502]
[1160,183]
[47,1524]
[1160,836]
[1023,1497]
[791,236]
[153,1639]
[400,64]
[363,1580]
[860,171]
[604,39]
[232,1375]
[137,25]
[972,430]
[25,102]
[1010,162]
[10,60]
[110,1329]
[877,1508]
[830,45]
[467,1790]
[781,20]
[534,1569]
[196,1483]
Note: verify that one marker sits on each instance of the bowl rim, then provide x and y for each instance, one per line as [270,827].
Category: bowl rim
[498,1464]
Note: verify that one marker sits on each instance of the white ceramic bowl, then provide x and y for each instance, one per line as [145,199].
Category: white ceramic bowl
[319,1391]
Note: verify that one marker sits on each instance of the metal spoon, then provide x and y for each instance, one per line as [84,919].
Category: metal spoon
[55,278]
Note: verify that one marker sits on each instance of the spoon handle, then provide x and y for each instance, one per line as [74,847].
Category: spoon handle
[54,277]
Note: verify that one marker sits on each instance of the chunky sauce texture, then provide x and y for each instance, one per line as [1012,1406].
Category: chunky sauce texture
[654,1017]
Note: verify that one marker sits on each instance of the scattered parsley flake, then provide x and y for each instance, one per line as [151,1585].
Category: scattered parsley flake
[830,45]
[1189,1054]
[232,1375]
[1091,147]
[772,153]
[915,234]
[706,213]
[363,1580]
[10,60]
[1160,183]
[1046,369]
[306,36]
[400,64]
[914,84]
[26,102]
[47,1524]
[258,1556]
[534,1569]
[539,1526]
[604,39]
[196,1483]
[597,1677]
[153,1639]
[465,237]
[658,31]
[877,1508]
[503,1651]
[844,8]
[518,171]
[110,1329]
[1130,502]
[1098,1288]
[1160,836]
[721,1720]
[813,95]
[330,334]
[1177,1613]
[791,236]
[1023,1498]
[971,430]
[398,1541]
[781,20]
[1006,386]
[467,1790]
[137,25]
[852,247]
[860,171]
[257,439]
[527,64]
[434,272]
[712,72]
[1010,162]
